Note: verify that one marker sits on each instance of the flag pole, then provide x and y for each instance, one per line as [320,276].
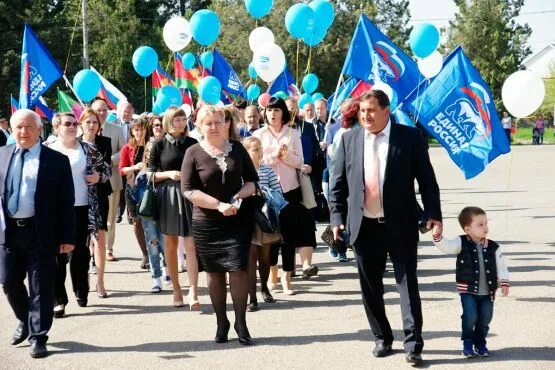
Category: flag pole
[68,84]
[334,98]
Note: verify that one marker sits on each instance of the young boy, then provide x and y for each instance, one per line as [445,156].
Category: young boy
[480,270]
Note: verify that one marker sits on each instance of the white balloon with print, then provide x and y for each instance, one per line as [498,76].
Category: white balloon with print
[522,93]
[385,88]
[260,36]
[177,33]
[269,61]
[431,65]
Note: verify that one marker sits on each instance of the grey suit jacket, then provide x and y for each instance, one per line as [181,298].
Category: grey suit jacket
[407,160]
[115,133]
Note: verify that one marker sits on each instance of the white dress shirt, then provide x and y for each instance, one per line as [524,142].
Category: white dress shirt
[29,177]
[382,145]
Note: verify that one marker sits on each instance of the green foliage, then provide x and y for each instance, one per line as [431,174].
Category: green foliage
[118,27]
[490,36]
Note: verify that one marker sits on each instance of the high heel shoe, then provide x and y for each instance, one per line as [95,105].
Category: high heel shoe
[194,304]
[222,335]
[246,339]
[101,294]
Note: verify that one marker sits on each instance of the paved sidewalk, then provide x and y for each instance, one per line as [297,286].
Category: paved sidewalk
[324,325]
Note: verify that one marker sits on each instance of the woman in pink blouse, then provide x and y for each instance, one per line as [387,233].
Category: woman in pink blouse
[282,150]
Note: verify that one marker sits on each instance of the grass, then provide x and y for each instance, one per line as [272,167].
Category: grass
[524,136]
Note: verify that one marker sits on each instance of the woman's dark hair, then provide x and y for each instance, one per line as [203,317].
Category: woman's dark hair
[278,103]
[350,112]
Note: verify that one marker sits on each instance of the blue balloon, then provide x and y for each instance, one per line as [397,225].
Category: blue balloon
[304,99]
[323,11]
[188,61]
[252,71]
[145,61]
[310,83]
[209,90]
[259,8]
[207,59]
[253,92]
[86,84]
[168,96]
[316,36]
[317,96]
[424,39]
[205,26]
[156,108]
[299,20]
[112,117]
[280,94]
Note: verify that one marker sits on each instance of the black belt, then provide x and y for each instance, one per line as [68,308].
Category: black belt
[379,220]
[21,222]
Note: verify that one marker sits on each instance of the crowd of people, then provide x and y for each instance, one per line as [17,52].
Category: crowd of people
[210,169]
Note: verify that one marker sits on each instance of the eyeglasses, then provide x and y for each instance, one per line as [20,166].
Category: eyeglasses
[69,123]
[157,125]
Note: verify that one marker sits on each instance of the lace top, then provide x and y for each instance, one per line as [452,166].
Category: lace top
[220,157]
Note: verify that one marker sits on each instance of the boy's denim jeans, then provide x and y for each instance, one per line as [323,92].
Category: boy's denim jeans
[477,314]
[154,246]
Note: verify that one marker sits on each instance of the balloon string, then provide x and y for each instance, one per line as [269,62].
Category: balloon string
[309,60]
[145,94]
[70,44]
[297,66]
[169,61]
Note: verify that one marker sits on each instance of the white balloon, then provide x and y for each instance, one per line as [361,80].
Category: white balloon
[385,88]
[187,109]
[522,93]
[268,61]
[260,36]
[431,65]
[177,33]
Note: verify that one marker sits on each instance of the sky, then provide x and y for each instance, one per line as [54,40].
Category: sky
[539,14]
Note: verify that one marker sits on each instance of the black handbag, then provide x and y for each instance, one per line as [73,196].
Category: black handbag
[147,206]
[327,237]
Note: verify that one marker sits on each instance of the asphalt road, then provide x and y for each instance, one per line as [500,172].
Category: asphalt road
[324,325]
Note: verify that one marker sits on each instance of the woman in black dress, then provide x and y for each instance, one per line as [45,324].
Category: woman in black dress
[90,122]
[216,175]
[174,212]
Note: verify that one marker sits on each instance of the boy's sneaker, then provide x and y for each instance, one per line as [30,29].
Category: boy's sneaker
[468,351]
[482,351]
[332,252]
[342,257]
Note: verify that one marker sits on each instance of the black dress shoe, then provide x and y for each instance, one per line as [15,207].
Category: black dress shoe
[38,350]
[253,307]
[20,334]
[244,339]
[221,333]
[413,358]
[59,311]
[267,297]
[381,350]
[82,302]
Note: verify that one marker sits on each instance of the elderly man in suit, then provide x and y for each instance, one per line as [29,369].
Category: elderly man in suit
[37,190]
[115,133]
[373,185]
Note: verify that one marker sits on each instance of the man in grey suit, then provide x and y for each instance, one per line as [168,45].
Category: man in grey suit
[373,196]
[115,133]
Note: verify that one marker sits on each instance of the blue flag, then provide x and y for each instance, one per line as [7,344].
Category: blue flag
[344,92]
[372,57]
[38,69]
[284,82]
[229,80]
[458,110]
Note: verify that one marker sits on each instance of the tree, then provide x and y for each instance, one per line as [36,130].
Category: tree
[490,36]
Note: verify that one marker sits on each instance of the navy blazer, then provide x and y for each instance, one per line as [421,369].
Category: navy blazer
[54,197]
[407,160]
[308,140]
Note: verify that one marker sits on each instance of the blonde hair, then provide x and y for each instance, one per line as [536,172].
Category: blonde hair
[167,120]
[251,141]
[209,110]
